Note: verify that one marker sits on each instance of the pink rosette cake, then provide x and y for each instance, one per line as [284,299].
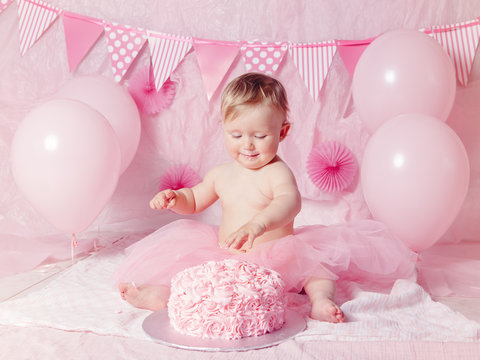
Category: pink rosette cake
[227,299]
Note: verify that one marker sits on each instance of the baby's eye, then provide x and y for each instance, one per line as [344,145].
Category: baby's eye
[260,136]
[236,135]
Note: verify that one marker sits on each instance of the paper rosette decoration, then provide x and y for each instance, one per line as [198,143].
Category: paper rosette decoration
[142,88]
[331,166]
[178,177]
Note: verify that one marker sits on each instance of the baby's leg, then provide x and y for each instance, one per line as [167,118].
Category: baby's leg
[322,293]
[145,296]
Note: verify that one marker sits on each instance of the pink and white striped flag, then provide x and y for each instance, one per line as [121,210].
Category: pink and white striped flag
[460,41]
[313,61]
[4,4]
[263,57]
[124,44]
[167,51]
[35,18]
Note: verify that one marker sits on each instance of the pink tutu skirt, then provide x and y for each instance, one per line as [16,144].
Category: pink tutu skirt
[361,251]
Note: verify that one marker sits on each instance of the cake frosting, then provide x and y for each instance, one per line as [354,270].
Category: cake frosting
[228,299]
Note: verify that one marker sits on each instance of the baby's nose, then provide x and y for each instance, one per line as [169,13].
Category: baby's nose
[248,142]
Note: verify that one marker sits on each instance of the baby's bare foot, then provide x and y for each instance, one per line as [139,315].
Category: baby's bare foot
[324,309]
[145,297]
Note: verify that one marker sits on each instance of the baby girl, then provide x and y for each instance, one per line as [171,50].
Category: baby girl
[260,199]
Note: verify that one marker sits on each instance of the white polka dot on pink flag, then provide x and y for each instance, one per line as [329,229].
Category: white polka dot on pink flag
[4,4]
[124,44]
[263,57]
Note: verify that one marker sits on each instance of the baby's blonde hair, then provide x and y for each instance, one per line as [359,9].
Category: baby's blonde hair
[252,89]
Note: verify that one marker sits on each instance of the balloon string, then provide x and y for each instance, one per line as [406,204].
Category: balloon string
[73,245]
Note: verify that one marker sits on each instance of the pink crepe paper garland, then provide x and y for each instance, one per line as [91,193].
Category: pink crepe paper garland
[331,166]
[142,88]
[177,177]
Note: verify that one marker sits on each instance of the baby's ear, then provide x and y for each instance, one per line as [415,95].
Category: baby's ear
[284,130]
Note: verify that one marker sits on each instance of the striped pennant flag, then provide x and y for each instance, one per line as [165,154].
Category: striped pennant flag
[167,51]
[313,61]
[124,44]
[461,42]
[35,18]
[4,4]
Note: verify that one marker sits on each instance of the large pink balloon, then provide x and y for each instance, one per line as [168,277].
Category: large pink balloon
[403,71]
[66,161]
[415,174]
[115,103]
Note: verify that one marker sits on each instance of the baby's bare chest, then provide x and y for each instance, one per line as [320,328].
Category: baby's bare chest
[243,192]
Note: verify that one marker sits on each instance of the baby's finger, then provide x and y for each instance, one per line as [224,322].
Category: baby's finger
[171,203]
[239,240]
[249,242]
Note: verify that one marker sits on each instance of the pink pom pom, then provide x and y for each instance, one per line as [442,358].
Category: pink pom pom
[331,166]
[142,88]
[177,177]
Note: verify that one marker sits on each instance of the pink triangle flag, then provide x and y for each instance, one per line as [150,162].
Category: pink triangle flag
[214,60]
[313,61]
[124,44]
[167,51]
[263,57]
[35,18]
[350,51]
[460,41]
[80,35]
[4,4]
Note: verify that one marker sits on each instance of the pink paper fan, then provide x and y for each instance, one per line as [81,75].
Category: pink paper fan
[142,88]
[177,177]
[331,166]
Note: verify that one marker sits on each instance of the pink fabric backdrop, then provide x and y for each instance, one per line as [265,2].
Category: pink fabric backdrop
[174,135]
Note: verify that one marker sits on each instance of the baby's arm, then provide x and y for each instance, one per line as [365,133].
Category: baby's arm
[188,200]
[283,208]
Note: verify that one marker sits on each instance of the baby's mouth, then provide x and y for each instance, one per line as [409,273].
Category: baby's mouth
[250,156]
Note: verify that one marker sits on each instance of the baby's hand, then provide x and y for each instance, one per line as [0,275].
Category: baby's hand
[244,237]
[165,199]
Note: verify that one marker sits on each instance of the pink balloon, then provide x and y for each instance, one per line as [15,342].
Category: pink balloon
[400,72]
[66,161]
[115,103]
[415,176]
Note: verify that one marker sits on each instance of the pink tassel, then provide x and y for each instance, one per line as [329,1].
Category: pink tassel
[331,166]
[177,177]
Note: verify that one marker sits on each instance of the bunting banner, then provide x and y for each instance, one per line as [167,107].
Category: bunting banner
[4,4]
[350,51]
[167,51]
[263,57]
[460,41]
[80,35]
[35,18]
[313,62]
[214,60]
[124,44]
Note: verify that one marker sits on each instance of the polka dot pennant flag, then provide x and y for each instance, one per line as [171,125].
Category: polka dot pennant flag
[4,4]
[124,44]
[460,41]
[313,61]
[35,17]
[167,51]
[263,57]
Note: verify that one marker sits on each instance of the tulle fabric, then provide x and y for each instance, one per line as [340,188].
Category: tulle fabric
[359,251]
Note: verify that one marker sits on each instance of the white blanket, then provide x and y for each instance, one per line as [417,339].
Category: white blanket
[83,299]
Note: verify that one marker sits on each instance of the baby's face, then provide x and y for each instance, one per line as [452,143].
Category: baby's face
[252,138]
